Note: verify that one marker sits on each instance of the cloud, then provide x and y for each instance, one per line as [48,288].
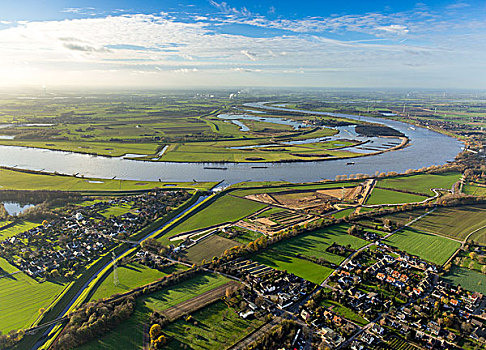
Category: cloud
[226,9]
[160,46]
[246,70]
[5,22]
[78,10]
[185,70]
[458,5]
[251,56]
[84,48]
[397,29]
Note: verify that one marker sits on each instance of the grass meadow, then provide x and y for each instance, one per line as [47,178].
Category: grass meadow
[421,183]
[224,209]
[21,297]
[468,279]
[456,222]
[282,256]
[214,327]
[131,276]
[130,333]
[381,196]
[433,248]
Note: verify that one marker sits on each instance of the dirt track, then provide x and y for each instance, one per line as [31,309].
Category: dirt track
[198,302]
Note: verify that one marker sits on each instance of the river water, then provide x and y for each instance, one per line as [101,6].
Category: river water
[426,148]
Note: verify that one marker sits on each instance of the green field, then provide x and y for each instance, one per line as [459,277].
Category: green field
[406,216]
[130,333]
[247,236]
[306,269]
[421,183]
[213,327]
[186,290]
[21,297]
[344,312]
[117,126]
[282,256]
[344,213]
[18,227]
[316,243]
[130,276]
[224,209]
[435,249]
[381,196]
[116,210]
[17,180]
[209,248]
[468,279]
[474,190]
[456,222]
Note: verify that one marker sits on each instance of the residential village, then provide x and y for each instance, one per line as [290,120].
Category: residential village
[397,296]
[63,246]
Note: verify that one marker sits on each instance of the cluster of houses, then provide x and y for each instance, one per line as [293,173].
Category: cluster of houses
[280,288]
[447,313]
[66,244]
[284,289]
[411,276]
[431,313]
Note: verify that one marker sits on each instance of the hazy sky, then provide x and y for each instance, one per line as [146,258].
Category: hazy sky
[322,43]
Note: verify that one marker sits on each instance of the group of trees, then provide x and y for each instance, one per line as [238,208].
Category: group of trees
[9,340]
[280,336]
[93,320]
[157,338]
[153,246]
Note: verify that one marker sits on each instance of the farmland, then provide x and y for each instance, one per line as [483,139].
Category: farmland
[421,183]
[300,267]
[208,248]
[435,249]
[316,243]
[474,190]
[130,276]
[21,297]
[124,126]
[130,333]
[456,222]
[404,217]
[186,290]
[229,151]
[218,213]
[17,227]
[468,279]
[283,255]
[213,327]
[381,196]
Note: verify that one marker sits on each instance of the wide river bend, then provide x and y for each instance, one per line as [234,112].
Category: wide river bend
[426,148]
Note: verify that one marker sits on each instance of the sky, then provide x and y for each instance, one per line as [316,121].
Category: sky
[211,43]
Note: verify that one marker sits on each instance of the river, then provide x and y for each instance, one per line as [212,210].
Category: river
[426,148]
